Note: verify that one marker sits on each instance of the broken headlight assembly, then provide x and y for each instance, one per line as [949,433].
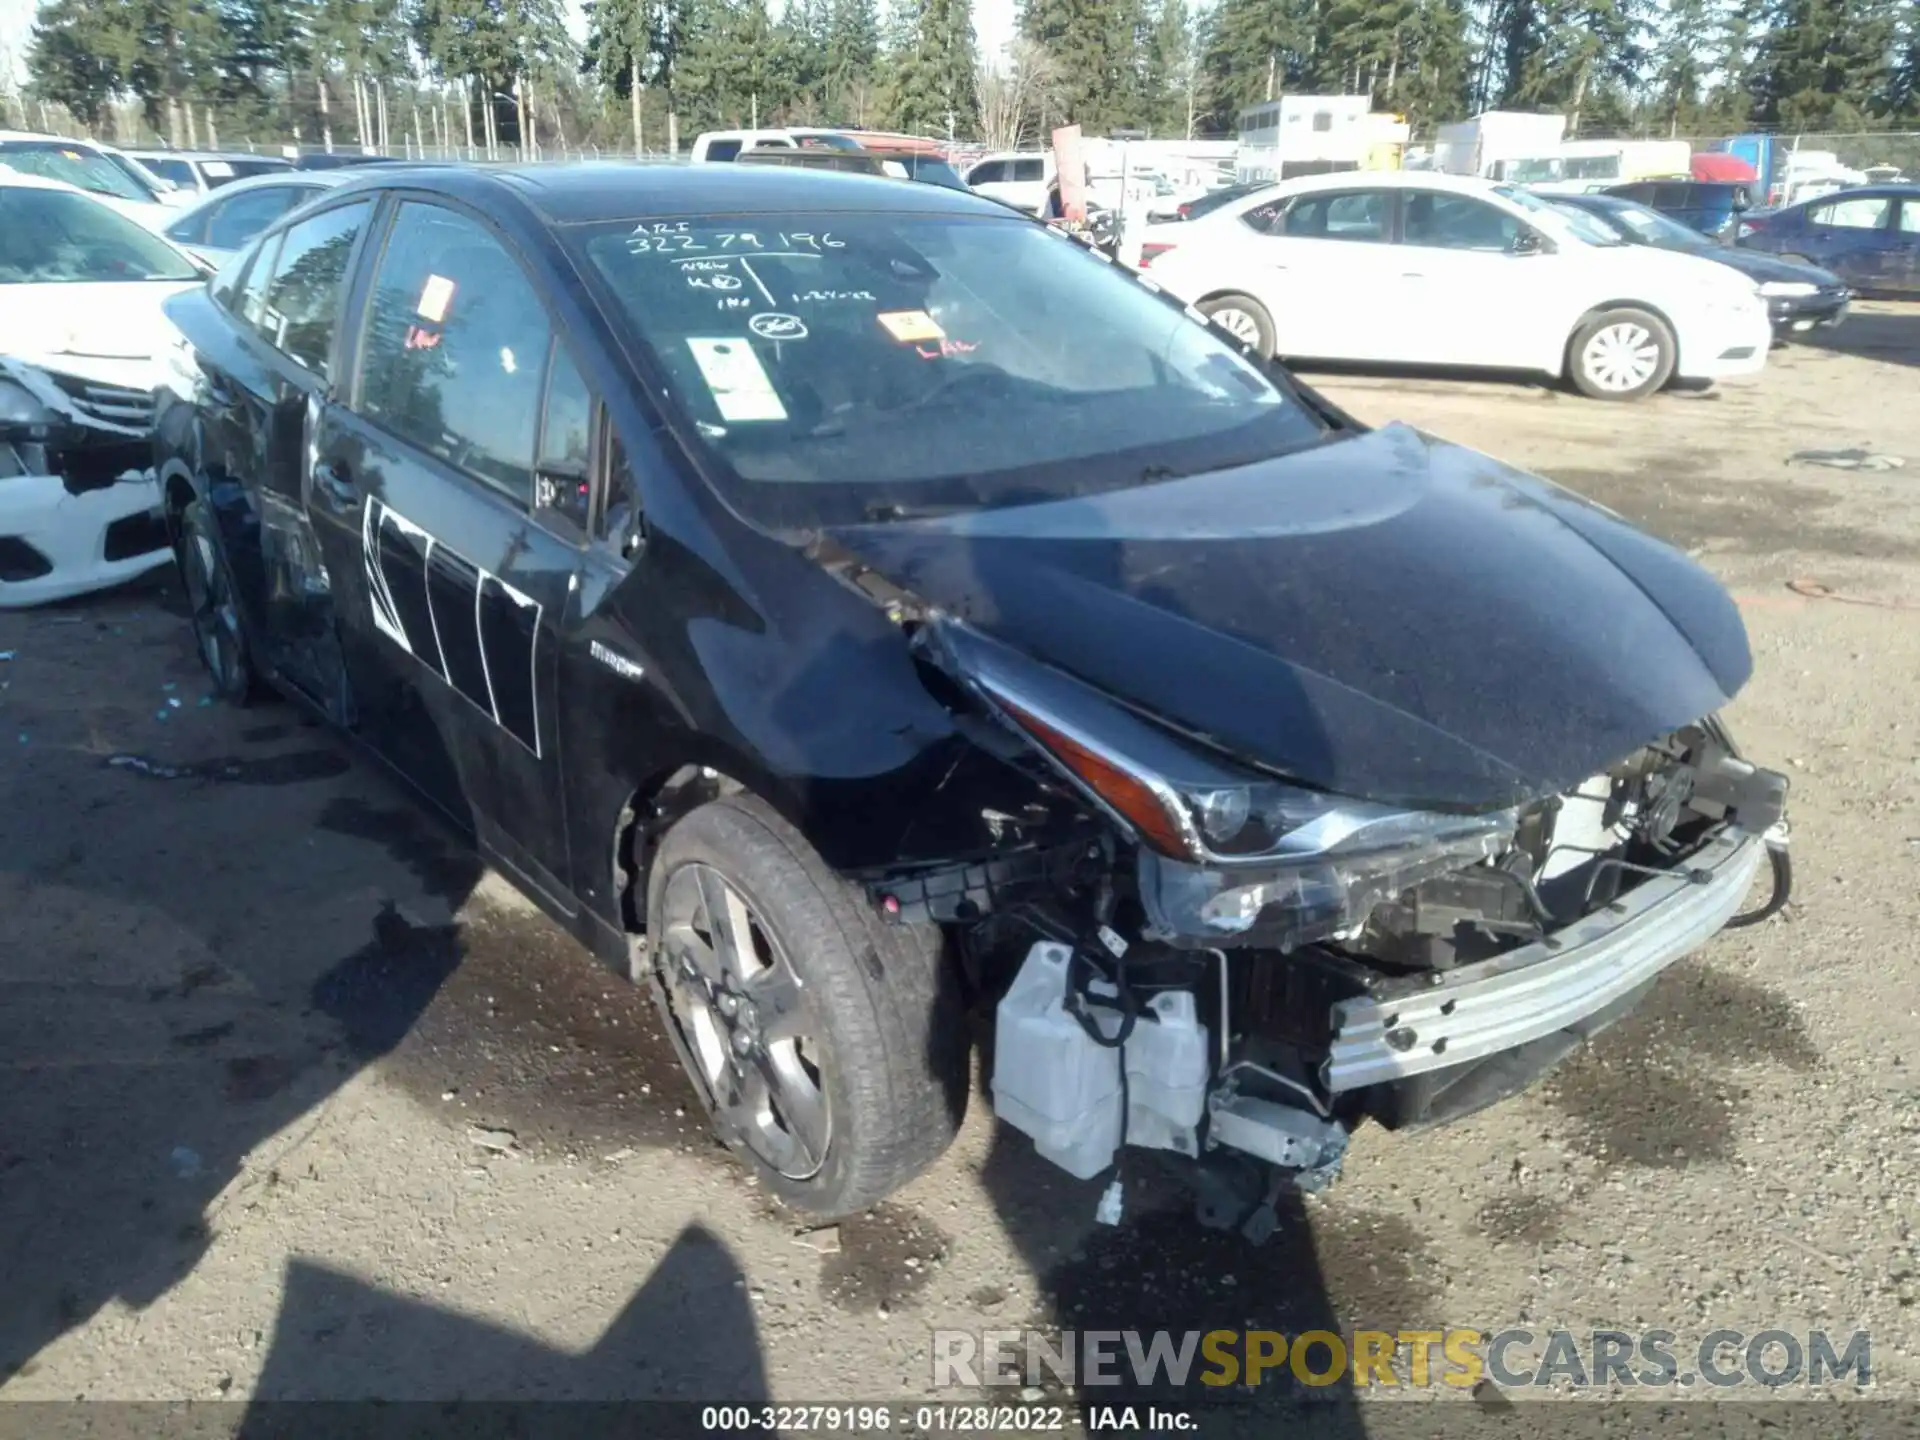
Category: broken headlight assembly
[1225,848]
[24,419]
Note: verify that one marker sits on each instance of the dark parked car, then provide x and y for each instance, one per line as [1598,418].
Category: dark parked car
[1799,297]
[1206,204]
[340,159]
[1713,207]
[1870,237]
[841,603]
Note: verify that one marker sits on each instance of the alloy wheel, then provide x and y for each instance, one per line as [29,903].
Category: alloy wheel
[216,618]
[741,1009]
[1621,357]
[1238,323]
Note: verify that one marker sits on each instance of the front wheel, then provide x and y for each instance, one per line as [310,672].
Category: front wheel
[214,603]
[828,1046]
[1244,318]
[1621,354]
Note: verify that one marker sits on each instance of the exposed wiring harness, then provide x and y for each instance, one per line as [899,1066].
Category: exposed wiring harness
[1782,864]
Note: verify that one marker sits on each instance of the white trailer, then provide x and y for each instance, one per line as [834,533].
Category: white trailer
[1476,146]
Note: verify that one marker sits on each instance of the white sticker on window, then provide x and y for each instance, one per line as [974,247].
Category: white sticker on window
[435,296]
[741,389]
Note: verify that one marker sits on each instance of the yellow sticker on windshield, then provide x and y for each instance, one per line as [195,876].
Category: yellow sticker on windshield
[907,326]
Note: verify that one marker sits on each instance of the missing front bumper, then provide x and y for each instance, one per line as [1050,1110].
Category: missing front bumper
[1469,1013]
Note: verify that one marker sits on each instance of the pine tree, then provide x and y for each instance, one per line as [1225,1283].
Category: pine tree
[1680,62]
[1253,50]
[932,69]
[1821,64]
[852,48]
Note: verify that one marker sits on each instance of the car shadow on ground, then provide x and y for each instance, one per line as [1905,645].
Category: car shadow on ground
[1889,332]
[188,971]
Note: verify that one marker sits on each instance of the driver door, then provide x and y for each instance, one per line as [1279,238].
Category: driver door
[1465,294]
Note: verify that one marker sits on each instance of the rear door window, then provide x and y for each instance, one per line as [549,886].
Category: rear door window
[988,172]
[301,308]
[1910,216]
[1340,215]
[455,348]
[235,221]
[722,149]
[1029,170]
[1862,212]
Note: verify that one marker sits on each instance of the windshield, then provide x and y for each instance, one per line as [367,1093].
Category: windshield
[1569,219]
[1594,167]
[1650,227]
[1530,172]
[842,366]
[55,236]
[82,169]
[929,170]
[178,171]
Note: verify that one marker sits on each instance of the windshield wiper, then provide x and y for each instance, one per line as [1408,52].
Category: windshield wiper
[891,510]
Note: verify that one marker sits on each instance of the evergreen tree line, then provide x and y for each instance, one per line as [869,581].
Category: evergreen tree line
[484,74]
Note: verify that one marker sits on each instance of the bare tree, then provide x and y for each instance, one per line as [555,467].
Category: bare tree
[1015,91]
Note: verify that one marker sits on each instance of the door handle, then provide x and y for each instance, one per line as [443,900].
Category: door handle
[332,480]
[1413,275]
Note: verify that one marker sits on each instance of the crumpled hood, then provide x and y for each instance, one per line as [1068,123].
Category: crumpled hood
[1388,616]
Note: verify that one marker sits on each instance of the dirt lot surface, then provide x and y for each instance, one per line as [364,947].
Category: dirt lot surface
[295,1101]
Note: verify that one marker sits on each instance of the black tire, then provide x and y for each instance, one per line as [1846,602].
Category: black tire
[1623,353]
[1258,330]
[886,1034]
[219,632]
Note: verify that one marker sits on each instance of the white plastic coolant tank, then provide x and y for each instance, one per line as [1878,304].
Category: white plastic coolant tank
[1054,1082]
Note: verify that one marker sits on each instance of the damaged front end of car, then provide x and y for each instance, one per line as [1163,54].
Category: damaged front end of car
[79,510]
[1226,964]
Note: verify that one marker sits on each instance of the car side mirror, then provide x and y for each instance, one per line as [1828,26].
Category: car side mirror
[1530,242]
[1741,201]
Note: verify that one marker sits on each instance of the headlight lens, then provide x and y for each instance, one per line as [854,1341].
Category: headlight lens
[22,416]
[1191,806]
[1781,289]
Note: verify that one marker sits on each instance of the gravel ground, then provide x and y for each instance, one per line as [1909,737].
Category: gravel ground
[298,1102]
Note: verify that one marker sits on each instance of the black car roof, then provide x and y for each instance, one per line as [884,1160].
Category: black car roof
[610,190]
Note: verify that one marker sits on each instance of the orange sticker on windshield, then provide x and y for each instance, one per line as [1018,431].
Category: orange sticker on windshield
[908,326]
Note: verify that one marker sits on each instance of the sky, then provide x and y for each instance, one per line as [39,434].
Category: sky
[992,23]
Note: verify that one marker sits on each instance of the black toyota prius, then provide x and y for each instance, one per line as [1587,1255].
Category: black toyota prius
[844,605]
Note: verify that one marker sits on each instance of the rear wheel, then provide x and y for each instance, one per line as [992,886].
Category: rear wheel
[214,604]
[828,1046]
[1621,354]
[1244,318]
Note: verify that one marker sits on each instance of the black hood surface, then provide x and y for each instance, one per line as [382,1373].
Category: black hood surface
[1388,616]
[1759,266]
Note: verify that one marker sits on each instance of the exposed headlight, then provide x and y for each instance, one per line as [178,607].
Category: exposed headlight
[1238,848]
[22,416]
[1781,289]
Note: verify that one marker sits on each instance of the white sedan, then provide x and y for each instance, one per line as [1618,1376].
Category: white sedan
[1423,269]
[83,344]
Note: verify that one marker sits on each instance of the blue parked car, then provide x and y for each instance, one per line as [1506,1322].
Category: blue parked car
[1868,237]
